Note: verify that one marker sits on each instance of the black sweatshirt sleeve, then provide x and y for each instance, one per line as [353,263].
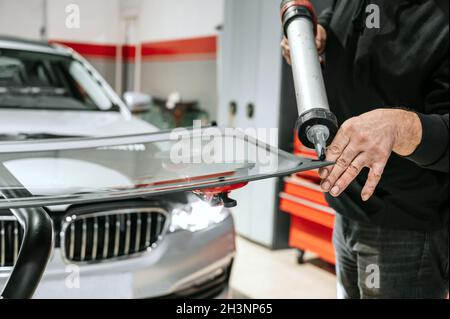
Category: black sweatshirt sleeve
[326,15]
[433,152]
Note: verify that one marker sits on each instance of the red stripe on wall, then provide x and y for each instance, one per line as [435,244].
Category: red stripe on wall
[98,50]
[186,49]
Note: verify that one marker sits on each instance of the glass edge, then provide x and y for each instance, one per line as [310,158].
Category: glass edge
[140,193]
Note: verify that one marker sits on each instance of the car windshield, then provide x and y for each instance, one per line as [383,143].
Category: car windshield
[58,172]
[32,80]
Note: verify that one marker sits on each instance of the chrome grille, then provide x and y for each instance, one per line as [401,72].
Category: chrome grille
[11,235]
[111,235]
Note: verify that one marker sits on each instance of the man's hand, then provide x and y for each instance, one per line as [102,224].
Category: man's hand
[368,141]
[321,43]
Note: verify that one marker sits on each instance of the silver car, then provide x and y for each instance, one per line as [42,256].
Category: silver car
[168,247]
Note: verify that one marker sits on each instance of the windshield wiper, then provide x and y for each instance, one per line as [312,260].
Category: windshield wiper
[32,136]
[33,91]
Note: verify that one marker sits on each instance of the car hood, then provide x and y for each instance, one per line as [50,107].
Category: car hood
[71,174]
[64,176]
[71,123]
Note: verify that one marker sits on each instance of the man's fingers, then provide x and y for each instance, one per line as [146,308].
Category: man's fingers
[324,172]
[335,151]
[342,164]
[338,146]
[321,40]
[349,175]
[285,45]
[286,50]
[287,57]
[320,43]
[376,171]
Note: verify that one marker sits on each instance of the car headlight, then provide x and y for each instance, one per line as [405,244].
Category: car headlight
[197,216]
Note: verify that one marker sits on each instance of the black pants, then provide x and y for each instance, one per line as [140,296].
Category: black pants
[378,263]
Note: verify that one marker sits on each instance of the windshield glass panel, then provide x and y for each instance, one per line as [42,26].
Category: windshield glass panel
[31,80]
[48,173]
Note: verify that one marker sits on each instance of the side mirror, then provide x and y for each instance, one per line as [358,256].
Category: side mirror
[137,102]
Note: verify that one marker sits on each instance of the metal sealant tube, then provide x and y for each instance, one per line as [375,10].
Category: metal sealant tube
[308,79]
[316,125]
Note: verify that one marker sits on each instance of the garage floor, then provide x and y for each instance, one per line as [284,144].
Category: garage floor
[260,273]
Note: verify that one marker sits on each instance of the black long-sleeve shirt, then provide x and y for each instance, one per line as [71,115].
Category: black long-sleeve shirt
[403,64]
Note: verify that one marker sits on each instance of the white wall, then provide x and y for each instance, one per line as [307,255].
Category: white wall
[22,18]
[178,19]
[161,20]
[98,21]
[158,20]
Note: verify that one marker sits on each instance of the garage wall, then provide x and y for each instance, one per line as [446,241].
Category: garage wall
[97,36]
[28,12]
[98,21]
[98,32]
[179,40]
[25,18]
[168,20]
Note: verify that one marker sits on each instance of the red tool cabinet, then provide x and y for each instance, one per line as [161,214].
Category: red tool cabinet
[312,220]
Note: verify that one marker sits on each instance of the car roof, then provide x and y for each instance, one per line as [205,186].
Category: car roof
[14,43]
